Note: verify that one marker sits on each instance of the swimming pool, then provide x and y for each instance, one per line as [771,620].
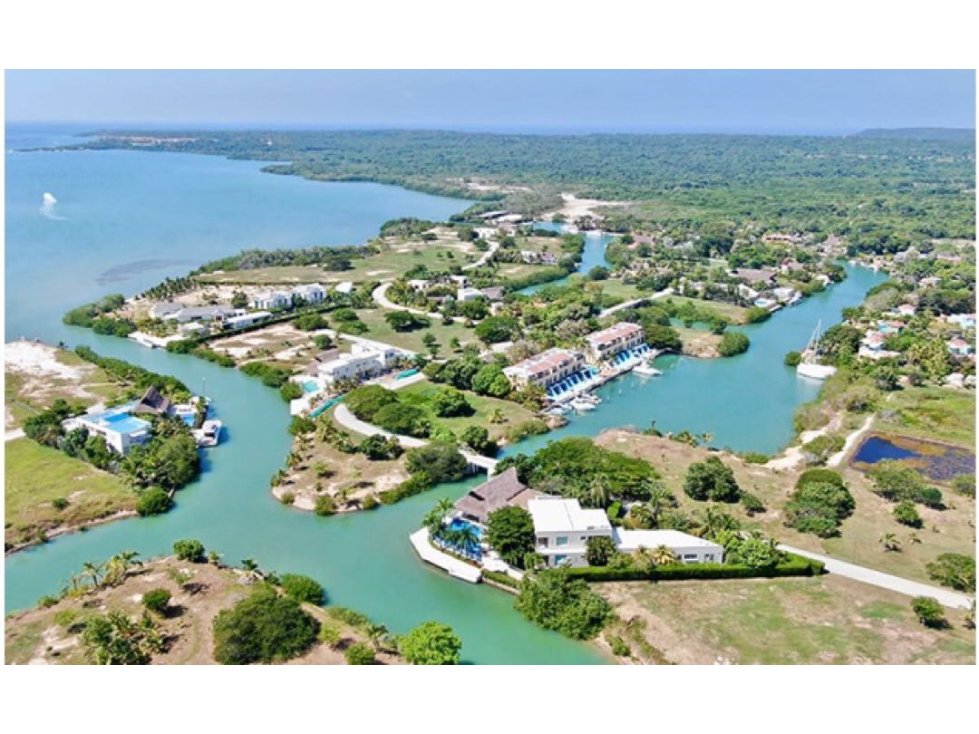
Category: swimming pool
[325,406]
[310,387]
[123,423]
[407,373]
[458,524]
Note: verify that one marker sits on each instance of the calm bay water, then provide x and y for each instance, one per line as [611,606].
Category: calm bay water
[125,220]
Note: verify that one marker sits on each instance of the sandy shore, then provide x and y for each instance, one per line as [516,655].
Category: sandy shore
[573,207]
[38,360]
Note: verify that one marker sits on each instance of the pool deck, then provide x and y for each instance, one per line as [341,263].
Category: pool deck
[453,566]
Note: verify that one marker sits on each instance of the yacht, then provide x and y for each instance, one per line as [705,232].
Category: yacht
[646,370]
[209,434]
[809,366]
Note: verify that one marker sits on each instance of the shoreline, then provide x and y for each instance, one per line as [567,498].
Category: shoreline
[72,529]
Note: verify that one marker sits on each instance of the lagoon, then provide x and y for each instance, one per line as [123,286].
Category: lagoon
[125,220]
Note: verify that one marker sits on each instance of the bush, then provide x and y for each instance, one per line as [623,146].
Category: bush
[406,321]
[757,314]
[359,653]
[303,589]
[732,343]
[532,427]
[497,329]
[711,480]
[754,457]
[555,600]
[965,484]
[792,359]
[60,503]
[189,550]
[370,502]
[955,570]
[819,508]
[153,501]
[431,643]
[264,627]
[752,504]
[271,375]
[157,600]
[619,647]
[906,514]
[791,566]
[929,612]
[380,448]
[301,424]
[291,391]
[325,505]
[310,322]
[406,420]
[364,402]
[329,635]
[822,447]
[415,484]
[820,476]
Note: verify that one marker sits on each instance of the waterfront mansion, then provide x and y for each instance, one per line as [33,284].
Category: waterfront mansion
[545,369]
[608,342]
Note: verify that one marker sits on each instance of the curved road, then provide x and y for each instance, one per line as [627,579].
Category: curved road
[380,297]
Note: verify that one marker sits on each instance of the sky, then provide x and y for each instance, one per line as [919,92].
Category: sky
[814,102]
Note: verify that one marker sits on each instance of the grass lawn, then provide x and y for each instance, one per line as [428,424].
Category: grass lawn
[380,330]
[618,289]
[936,413]
[735,313]
[36,475]
[949,530]
[822,620]
[393,262]
[420,394]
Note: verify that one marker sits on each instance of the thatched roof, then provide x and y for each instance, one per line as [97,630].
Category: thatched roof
[153,402]
[483,500]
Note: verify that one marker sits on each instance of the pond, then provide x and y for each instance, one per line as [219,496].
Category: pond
[938,461]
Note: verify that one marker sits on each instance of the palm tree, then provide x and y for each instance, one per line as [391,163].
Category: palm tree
[92,571]
[117,567]
[662,556]
[890,542]
[598,494]
[444,505]
[714,519]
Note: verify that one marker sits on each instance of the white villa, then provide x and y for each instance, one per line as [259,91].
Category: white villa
[271,300]
[562,529]
[468,294]
[362,362]
[246,319]
[310,293]
[545,369]
[608,342]
[185,314]
[117,426]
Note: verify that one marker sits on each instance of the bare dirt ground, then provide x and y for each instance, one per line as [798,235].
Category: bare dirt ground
[200,591]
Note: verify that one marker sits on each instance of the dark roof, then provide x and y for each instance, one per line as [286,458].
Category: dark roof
[490,496]
[152,402]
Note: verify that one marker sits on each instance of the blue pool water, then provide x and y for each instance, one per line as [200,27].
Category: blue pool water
[325,407]
[310,386]
[126,424]
[408,373]
[458,524]
[876,449]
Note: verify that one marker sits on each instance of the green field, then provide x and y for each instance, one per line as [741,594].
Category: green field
[735,313]
[380,330]
[421,392]
[936,413]
[37,475]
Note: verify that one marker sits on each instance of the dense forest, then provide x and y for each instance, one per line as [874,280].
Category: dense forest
[910,185]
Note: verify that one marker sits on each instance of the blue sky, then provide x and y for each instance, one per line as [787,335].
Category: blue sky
[542,101]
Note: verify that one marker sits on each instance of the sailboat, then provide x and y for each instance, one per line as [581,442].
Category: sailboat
[809,366]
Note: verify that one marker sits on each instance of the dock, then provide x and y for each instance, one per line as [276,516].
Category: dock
[452,566]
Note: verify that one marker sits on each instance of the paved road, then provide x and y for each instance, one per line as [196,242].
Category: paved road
[493,247]
[635,302]
[947,597]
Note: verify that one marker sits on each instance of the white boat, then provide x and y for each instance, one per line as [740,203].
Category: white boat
[209,434]
[582,405]
[646,370]
[809,366]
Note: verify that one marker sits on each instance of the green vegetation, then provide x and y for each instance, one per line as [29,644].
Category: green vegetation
[153,501]
[157,600]
[819,503]
[792,359]
[895,481]
[929,612]
[263,628]
[189,550]
[510,531]
[955,570]
[302,588]
[732,343]
[115,639]
[712,480]
[599,551]
[431,643]
[271,375]
[557,601]
[360,653]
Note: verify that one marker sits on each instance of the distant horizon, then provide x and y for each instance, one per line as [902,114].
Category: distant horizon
[755,102]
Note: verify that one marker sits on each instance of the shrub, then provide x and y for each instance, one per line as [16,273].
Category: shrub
[929,612]
[532,427]
[555,600]
[619,647]
[431,643]
[819,508]
[329,634]
[906,514]
[303,588]
[325,505]
[751,504]
[301,424]
[157,600]
[754,457]
[497,329]
[60,503]
[291,391]
[791,566]
[955,570]
[821,476]
[264,627]
[310,322]
[792,359]
[821,448]
[365,401]
[965,484]
[287,498]
[153,501]
[189,550]
[757,314]
[359,653]
[753,551]
[403,419]
[380,448]
[711,480]
[732,343]
[448,402]
[370,502]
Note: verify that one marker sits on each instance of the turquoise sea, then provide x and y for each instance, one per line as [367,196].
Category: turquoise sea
[125,220]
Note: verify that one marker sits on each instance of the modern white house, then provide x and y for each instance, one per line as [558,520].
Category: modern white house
[247,319]
[608,342]
[201,313]
[120,429]
[545,369]
[468,294]
[562,529]
[687,548]
[310,293]
[361,363]
[271,300]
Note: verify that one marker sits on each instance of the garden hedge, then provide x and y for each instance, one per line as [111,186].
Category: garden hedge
[793,566]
